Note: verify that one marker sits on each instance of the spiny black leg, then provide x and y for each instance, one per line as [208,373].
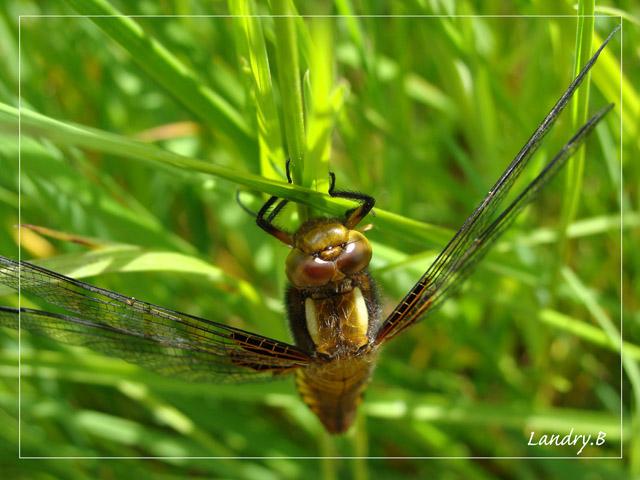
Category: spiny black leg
[266,223]
[283,202]
[274,213]
[270,228]
[355,215]
[265,208]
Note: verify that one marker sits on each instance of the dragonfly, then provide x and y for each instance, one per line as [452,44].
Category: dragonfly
[332,303]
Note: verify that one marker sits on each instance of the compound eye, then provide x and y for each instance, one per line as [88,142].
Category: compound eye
[308,271]
[356,254]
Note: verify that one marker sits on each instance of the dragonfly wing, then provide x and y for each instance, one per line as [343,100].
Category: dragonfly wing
[482,227]
[163,340]
[453,266]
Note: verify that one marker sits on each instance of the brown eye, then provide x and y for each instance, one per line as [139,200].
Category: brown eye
[308,271]
[356,254]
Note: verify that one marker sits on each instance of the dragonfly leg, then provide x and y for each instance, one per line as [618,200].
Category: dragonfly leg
[276,210]
[265,221]
[355,215]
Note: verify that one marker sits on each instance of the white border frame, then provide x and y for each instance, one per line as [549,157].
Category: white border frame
[621,323]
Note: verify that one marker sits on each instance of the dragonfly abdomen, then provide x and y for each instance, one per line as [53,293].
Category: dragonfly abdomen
[333,390]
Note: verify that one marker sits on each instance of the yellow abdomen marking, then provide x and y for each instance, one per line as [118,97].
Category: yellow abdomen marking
[357,324]
[310,316]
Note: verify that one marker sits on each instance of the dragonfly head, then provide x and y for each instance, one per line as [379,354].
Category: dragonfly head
[326,251]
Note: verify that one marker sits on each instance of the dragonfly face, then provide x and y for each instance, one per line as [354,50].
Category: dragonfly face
[332,303]
[325,253]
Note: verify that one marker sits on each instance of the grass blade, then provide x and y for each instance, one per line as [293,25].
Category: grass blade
[253,52]
[69,134]
[289,80]
[575,166]
[170,73]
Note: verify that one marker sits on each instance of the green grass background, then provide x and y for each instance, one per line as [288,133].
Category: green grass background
[138,133]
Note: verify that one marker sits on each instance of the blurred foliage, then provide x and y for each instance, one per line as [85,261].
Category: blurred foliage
[423,113]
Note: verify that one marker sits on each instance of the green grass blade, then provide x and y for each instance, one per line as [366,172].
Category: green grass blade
[629,364]
[606,10]
[575,166]
[587,332]
[253,52]
[124,258]
[419,409]
[609,77]
[290,83]
[324,102]
[169,72]
[69,134]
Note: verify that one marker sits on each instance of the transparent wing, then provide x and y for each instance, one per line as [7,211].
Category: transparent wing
[160,339]
[483,227]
